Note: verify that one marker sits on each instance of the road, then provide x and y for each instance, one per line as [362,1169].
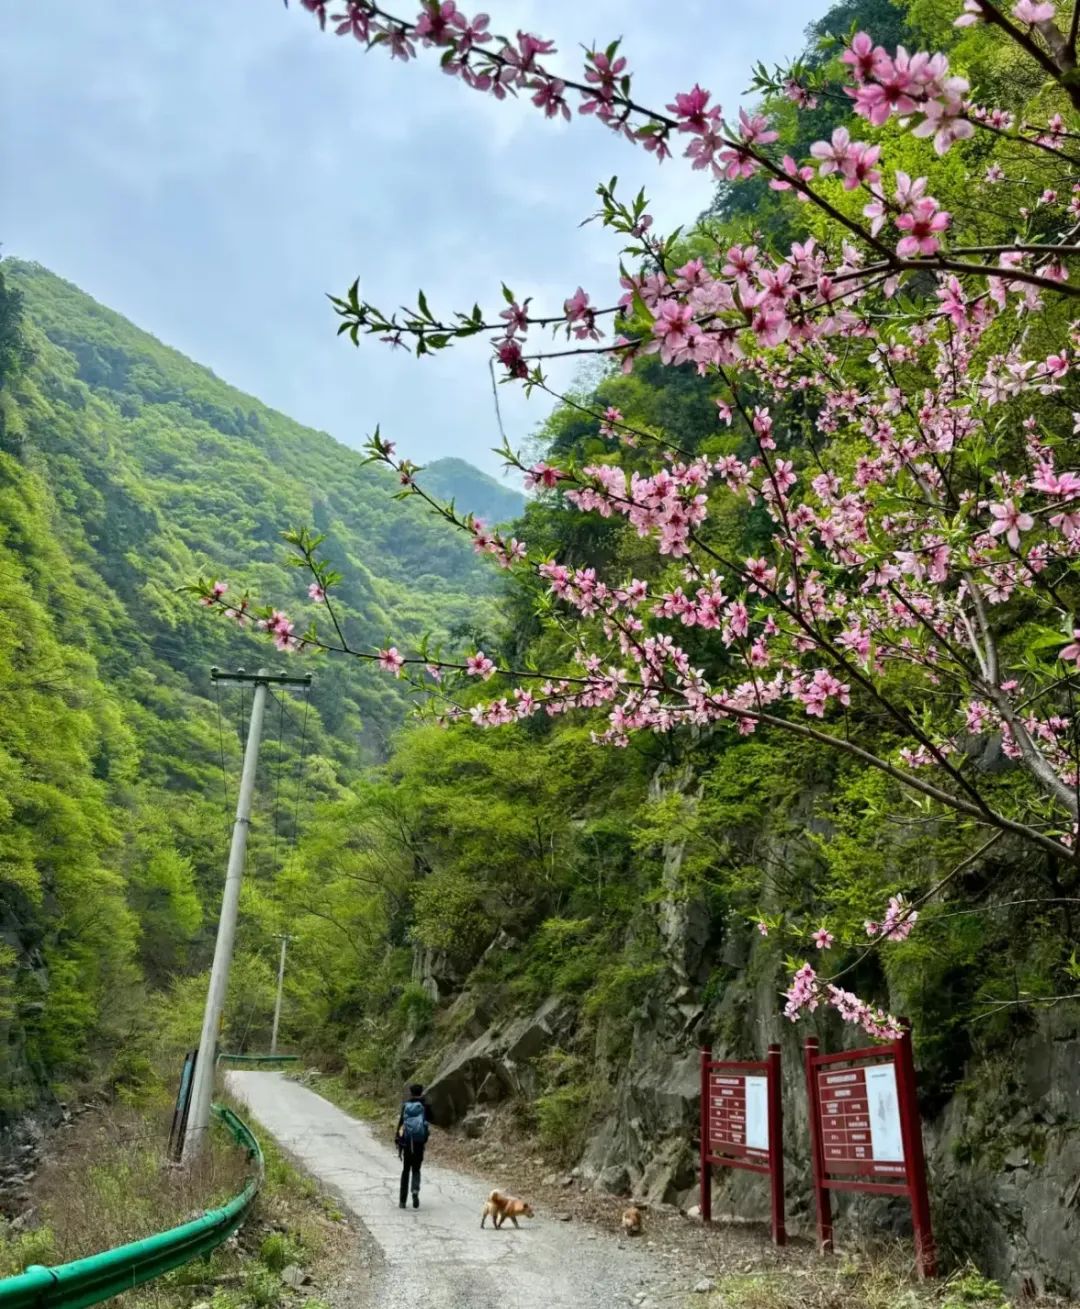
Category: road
[437,1256]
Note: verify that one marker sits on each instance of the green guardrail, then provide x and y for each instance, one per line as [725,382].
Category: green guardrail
[259,1058]
[101,1276]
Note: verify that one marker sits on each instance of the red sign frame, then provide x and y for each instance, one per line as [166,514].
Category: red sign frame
[842,1139]
[724,1128]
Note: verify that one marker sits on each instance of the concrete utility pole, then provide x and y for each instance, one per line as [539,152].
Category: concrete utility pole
[203,1089]
[277,1003]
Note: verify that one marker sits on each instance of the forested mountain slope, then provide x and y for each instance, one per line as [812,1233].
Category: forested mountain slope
[126,471]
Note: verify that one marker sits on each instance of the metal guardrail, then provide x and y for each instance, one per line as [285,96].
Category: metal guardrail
[259,1058]
[101,1276]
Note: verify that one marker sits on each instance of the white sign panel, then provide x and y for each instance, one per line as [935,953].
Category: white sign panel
[884,1108]
[757,1113]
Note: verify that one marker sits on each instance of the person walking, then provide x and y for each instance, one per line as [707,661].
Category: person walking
[412,1136]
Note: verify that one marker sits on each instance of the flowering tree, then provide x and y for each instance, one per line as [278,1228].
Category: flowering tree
[892,401]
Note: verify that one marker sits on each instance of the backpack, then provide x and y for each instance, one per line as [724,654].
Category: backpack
[414,1123]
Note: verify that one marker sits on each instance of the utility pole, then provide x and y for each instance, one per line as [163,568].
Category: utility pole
[203,1089]
[277,1003]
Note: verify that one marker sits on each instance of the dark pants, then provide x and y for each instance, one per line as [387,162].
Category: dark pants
[412,1156]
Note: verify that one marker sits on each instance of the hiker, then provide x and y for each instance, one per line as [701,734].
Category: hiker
[412,1135]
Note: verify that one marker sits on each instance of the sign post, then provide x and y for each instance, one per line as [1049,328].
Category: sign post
[865,1134]
[742,1126]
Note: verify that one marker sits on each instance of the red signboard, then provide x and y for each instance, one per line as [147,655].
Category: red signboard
[865,1133]
[741,1125]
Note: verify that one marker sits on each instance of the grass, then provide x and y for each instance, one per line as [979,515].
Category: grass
[108,1182]
[334,1087]
[863,1281]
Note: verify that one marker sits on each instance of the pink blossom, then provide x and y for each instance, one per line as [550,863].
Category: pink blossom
[542,474]
[1032,11]
[316,591]
[434,25]
[479,665]
[1071,652]
[1010,522]
[823,939]
[860,56]
[922,225]
[691,109]
[517,318]
[391,660]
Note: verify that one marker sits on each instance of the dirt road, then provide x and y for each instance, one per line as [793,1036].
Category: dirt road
[437,1256]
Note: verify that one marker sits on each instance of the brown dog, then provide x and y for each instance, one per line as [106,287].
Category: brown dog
[500,1207]
[631,1221]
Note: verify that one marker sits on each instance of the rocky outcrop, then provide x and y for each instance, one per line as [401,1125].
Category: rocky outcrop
[497,1064]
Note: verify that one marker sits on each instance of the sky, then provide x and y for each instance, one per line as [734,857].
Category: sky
[212,169]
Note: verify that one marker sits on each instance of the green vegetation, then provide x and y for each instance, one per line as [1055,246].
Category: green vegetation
[112,1185]
[125,470]
[436,883]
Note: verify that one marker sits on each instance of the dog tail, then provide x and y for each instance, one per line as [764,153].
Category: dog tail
[493,1198]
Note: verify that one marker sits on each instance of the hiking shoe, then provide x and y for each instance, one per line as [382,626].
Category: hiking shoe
[415,1201]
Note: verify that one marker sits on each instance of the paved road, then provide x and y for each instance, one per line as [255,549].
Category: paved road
[437,1257]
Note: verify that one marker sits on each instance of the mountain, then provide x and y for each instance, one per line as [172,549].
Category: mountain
[472,491]
[126,471]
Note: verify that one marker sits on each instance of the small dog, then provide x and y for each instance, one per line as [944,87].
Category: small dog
[500,1207]
[631,1221]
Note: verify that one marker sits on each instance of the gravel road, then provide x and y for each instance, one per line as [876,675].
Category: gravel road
[437,1256]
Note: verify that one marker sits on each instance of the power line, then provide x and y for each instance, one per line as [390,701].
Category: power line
[299,766]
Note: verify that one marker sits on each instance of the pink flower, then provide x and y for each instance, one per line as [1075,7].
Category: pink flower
[763,929]
[509,354]
[834,154]
[1071,652]
[549,96]
[434,24]
[823,939]
[316,591]
[578,310]
[690,108]
[479,665]
[1010,522]
[216,592]
[391,661]
[921,225]
[517,318]
[542,474]
[1031,11]
[860,56]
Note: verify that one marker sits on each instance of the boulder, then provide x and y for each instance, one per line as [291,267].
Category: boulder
[494,1065]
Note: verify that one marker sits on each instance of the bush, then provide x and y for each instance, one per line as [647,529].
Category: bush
[278,1251]
[262,1288]
[563,1119]
[417,1009]
[20,1250]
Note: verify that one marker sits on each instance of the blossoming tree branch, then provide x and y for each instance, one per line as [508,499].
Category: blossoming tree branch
[893,401]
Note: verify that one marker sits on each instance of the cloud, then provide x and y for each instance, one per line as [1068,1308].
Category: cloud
[212,170]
